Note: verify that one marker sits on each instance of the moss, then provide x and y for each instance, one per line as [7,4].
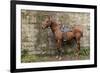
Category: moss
[24,52]
[27,58]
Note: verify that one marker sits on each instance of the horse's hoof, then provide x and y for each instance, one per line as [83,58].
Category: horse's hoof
[60,58]
[57,57]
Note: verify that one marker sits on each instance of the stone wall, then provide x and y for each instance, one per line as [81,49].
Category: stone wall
[35,40]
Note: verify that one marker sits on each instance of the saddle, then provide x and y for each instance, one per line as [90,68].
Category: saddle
[65,29]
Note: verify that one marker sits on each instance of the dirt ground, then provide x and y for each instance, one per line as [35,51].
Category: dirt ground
[45,58]
[67,58]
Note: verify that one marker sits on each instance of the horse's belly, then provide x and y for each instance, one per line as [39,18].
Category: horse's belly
[64,37]
[68,36]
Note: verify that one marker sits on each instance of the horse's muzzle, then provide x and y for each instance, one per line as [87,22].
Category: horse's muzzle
[43,27]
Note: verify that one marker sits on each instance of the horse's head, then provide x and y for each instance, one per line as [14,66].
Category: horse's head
[46,23]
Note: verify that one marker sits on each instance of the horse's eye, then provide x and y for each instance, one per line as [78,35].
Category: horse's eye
[47,21]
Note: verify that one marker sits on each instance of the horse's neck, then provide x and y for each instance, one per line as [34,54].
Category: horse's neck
[55,27]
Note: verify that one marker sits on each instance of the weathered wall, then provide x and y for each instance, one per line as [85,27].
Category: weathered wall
[36,40]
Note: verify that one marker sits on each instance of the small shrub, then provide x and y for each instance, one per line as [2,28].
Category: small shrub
[24,52]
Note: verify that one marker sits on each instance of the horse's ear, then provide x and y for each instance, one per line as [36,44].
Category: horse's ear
[49,17]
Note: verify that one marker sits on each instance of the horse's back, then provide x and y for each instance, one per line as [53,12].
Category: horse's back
[65,29]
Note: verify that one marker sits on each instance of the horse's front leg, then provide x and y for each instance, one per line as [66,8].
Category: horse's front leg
[78,45]
[78,48]
[59,51]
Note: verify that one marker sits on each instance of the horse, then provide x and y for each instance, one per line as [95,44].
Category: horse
[76,33]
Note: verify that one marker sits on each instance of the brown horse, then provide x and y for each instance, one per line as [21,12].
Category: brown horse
[76,34]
